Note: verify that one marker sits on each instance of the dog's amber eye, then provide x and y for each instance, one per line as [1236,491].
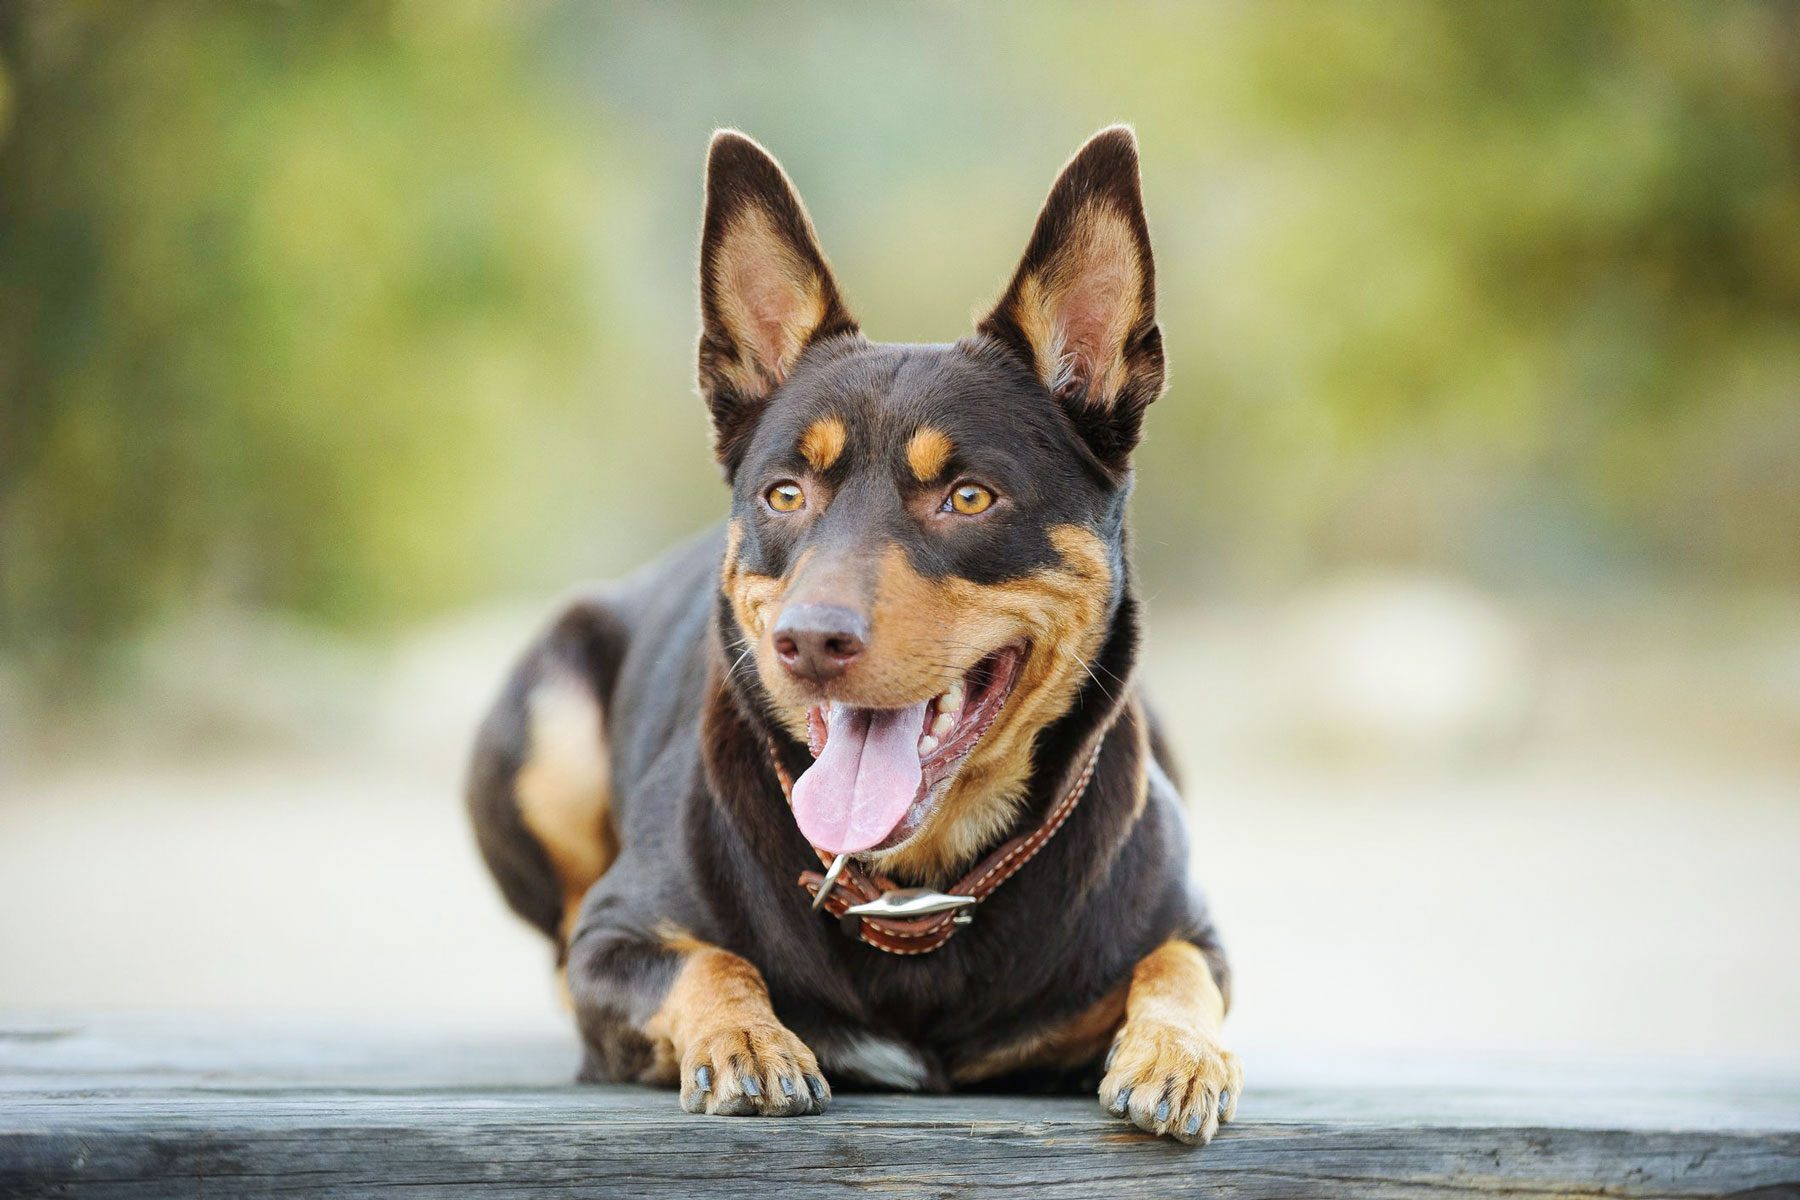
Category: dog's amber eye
[785,498]
[970,499]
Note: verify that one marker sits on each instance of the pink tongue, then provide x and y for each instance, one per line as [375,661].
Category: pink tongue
[865,779]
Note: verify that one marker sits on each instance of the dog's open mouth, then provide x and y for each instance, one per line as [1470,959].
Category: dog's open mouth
[878,772]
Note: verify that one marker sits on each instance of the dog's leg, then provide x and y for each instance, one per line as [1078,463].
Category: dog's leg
[1167,1072]
[678,1010]
[538,790]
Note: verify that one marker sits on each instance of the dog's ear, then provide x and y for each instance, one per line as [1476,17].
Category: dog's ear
[1081,308]
[766,292]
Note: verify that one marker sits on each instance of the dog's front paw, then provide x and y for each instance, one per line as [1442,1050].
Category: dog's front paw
[1173,1081]
[757,1071]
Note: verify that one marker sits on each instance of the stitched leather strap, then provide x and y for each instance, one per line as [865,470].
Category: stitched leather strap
[922,935]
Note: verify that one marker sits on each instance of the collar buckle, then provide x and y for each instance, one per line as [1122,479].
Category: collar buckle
[903,904]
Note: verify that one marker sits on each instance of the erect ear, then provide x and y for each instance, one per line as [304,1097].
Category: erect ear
[766,293]
[1081,308]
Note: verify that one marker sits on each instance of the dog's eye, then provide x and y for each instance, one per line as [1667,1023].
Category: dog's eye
[969,499]
[785,498]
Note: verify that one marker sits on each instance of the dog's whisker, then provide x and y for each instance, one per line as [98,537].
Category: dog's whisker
[1104,691]
[731,671]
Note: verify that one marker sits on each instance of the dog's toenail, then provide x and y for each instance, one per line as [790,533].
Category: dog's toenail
[1224,1100]
[1162,1109]
[816,1086]
[787,1086]
[1192,1126]
[750,1086]
[703,1079]
[1121,1102]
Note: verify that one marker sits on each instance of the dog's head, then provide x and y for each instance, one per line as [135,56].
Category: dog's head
[926,542]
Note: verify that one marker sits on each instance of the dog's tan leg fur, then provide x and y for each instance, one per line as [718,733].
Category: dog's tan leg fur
[1168,1072]
[563,789]
[735,1055]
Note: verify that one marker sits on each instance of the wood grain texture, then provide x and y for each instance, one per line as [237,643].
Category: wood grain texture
[109,1108]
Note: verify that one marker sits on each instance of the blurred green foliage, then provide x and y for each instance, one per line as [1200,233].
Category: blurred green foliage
[363,311]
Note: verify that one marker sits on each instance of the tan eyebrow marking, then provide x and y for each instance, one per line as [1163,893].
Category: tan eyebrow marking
[927,453]
[822,442]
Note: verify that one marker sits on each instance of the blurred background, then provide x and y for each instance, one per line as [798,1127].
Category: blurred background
[338,340]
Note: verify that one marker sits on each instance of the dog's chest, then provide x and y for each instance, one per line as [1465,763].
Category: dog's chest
[878,1060]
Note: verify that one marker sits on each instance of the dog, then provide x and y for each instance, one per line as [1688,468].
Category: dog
[858,787]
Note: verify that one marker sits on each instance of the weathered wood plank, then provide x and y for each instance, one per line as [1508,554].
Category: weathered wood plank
[108,1110]
[459,1145]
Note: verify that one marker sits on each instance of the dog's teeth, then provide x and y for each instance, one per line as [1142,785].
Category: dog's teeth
[927,744]
[940,728]
[953,695]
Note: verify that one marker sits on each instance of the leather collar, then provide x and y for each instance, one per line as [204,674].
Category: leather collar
[922,935]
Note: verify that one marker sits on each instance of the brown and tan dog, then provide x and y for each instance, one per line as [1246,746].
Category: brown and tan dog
[909,652]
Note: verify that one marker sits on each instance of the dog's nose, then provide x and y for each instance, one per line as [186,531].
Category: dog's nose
[818,641]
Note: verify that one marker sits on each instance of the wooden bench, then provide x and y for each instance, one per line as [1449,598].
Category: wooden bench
[139,1107]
